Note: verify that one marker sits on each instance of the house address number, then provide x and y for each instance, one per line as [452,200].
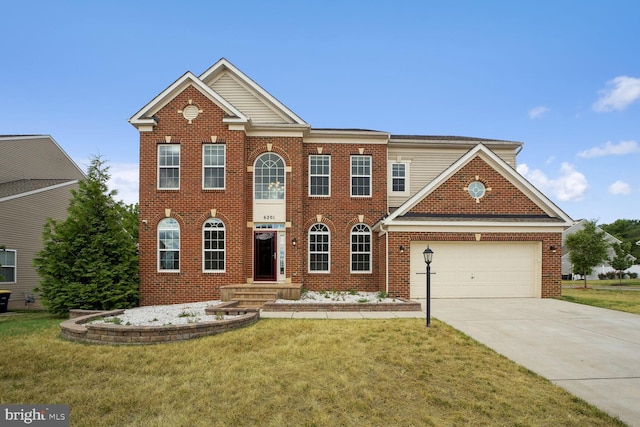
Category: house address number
[266,217]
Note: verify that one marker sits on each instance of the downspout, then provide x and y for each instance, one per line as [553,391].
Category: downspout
[386,258]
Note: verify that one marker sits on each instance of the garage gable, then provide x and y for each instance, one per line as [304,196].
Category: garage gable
[479,185]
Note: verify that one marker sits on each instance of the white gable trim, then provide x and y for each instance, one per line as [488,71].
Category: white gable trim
[501,167]
[222,65]
[40,190]
[143,118]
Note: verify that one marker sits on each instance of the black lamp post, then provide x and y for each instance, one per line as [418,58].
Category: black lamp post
[428,256]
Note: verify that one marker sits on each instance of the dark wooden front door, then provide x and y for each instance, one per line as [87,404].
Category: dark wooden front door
[264,256]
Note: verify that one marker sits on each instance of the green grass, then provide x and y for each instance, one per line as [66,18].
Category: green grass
[284,373]
[612,297]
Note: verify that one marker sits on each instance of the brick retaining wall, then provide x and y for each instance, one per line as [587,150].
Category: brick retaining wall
[403,305]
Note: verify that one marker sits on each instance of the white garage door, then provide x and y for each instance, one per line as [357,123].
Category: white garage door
[477,269]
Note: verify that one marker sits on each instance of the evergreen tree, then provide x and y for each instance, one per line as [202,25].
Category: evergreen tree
[89,260]
[588,248]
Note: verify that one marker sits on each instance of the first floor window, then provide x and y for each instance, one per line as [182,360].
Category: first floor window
[8,263]
[168,166]
[361,176]
[319,248]
[169,245]
[214,245]
[360,249]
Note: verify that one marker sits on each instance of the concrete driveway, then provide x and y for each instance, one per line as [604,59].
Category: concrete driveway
[591,352]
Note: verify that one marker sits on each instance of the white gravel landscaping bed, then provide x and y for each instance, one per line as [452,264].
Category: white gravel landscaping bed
[313,297]
[160,315]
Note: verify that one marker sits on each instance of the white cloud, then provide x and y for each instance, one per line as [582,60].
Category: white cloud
[537,112]
[570,185]
[124,179]
[624,147]
[619,188]
[618,94]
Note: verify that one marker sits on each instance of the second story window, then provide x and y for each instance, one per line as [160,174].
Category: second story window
[168,167]
[361,176]
[213,165]
[319,175]
[269,172]
[398,177]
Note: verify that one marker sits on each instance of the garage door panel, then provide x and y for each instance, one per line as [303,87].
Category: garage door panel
[477,269]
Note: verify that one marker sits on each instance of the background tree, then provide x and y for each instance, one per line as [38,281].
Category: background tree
[623,259]
[627,230]
[588,248]
[89,260]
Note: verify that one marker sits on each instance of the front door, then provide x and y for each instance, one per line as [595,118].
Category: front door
[264,256]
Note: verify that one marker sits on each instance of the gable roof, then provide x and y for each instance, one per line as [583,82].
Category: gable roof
[248,96]
[35,157]
[242,99]
[554,213]
[144,117]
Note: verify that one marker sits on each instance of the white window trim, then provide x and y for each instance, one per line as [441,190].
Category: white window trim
[14,266]
[407,166]
[329,176]
[159,167]
[283,183]
[161,270]
[370,252]
[224,167]
[224,251]
[328,233]
[370,176]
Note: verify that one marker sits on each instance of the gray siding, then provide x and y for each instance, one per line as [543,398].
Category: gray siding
[22,220]
[36,157]
[246,101]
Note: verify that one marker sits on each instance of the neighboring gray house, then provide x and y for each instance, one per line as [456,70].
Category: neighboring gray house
[603,268]
[36,178]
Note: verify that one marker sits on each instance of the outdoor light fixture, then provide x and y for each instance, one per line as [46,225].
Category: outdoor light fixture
[428,256]
[294,241]
[552,248]
[401,249]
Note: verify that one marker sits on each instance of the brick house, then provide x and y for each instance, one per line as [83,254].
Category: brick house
[238,192]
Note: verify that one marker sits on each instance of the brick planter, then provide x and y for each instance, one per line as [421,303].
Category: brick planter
[401,305]
[77,329]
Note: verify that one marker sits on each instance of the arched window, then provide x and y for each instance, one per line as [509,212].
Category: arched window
[169,245]
[319,255]
[213,245]
[360,249]
[268,177]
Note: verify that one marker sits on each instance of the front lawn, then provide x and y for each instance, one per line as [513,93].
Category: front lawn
[610,297]
[282,372]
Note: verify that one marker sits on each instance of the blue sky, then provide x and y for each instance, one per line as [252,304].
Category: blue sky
[561,76]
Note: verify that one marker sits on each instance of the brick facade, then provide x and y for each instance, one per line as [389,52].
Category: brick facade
[191,205]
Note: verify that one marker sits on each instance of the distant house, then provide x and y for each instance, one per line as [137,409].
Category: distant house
[238,192]
[36,178]
[567,269]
